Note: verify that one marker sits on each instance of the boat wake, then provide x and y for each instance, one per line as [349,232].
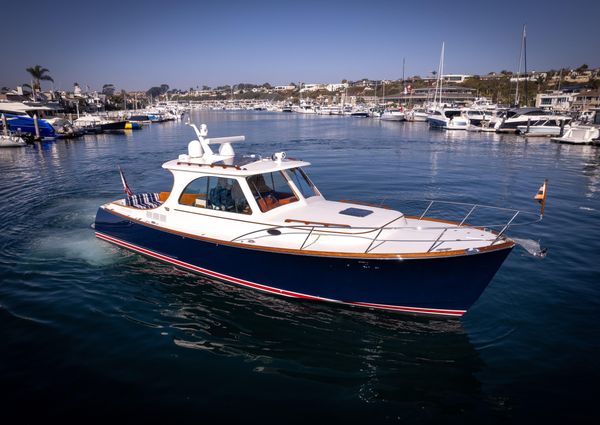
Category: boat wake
[532,247]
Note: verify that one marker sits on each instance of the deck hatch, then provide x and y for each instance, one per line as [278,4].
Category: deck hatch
[356,212]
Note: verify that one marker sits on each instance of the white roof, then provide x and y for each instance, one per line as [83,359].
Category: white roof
[22,108]
[237,165]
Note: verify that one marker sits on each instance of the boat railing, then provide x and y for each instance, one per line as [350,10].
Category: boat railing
[372,234]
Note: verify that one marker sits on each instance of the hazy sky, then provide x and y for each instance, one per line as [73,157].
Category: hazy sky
[135,45]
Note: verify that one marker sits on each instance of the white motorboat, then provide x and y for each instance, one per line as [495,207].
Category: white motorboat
[447,119]
[417,115]
[393,115]
[580,135]
[544,128]
[11,141]
[513,118]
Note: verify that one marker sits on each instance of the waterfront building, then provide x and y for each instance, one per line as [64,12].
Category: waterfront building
[555,100]
[306,87]
[586,100]
[531,76]
[336,87]
[450,94]
[456,78]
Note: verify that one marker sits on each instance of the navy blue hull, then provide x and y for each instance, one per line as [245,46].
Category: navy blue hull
[441,285]
[23,124]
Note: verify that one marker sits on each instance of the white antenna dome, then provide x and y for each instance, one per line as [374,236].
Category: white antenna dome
[195,149]
[226,150]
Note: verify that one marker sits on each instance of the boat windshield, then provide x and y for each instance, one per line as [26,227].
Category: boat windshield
[302,182]
[451,113]
[271,190]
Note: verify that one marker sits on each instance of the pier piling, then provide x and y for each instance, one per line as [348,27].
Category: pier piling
[37,128]
[4,125]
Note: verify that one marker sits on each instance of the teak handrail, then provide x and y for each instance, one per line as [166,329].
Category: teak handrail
[308,222]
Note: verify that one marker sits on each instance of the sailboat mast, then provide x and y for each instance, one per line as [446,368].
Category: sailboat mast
[441,75]
[517,100]
[438,83]
[525,56]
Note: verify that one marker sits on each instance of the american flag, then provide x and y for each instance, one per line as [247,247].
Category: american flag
[126,187]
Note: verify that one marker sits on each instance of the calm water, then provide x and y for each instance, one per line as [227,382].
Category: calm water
[90,330]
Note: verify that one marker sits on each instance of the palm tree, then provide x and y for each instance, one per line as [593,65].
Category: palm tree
[38,74]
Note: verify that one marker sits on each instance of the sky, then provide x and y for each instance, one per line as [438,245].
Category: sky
[136,45]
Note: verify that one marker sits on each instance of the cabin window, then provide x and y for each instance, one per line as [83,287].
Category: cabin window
[452,114]
[271,190]
[302,182]
[215,193]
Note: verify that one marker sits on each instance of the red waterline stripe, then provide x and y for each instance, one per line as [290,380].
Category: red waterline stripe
[274,290]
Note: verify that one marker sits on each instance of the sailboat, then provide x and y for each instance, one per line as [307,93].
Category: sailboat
[439,115]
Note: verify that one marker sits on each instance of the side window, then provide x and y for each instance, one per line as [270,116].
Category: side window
[195,193]
[215,193]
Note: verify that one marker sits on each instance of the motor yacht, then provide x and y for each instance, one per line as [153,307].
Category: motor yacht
[447,118]
[544,128]
[11,141]
[393,115]
[261,223]
[580,135]
[513,118]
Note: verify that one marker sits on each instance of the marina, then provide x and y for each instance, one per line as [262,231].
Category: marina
[60,280]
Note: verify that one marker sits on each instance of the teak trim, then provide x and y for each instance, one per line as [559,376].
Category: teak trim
[320,223]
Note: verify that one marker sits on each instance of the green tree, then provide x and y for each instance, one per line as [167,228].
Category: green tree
[108,89]
[38,74]
[154,91]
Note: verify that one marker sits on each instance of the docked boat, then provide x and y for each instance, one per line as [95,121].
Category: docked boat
[25,125]
[359,113]
[93,123]
[447,119]
[513,118]
[544,128]
[580,135]
[261,223]
[11,141]
[439,114]
[393,115]
[417,115]
[478,117]
[64,128]
[306,109]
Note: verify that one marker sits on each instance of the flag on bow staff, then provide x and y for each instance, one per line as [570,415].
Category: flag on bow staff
[540,196]
[126,187]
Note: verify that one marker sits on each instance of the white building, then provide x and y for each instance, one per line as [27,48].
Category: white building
[555,101]
[284,88]
[336,87]
[532,76]
[456,78]
[312,87]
